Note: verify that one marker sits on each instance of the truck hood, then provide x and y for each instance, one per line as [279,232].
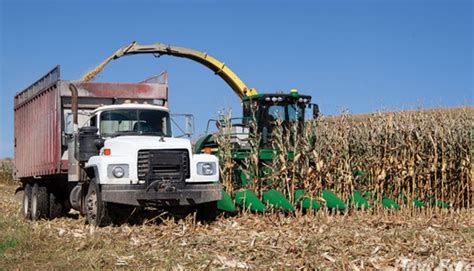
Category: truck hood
[124,145]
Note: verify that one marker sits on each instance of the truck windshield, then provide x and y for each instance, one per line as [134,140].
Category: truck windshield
[135,122]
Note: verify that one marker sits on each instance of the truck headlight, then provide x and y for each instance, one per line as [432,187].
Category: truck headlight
[117,171]
[206,168]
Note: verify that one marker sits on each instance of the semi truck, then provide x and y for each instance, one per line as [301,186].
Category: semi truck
[104,149]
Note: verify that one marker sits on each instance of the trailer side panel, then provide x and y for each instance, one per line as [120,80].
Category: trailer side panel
[38,135]
[39,112]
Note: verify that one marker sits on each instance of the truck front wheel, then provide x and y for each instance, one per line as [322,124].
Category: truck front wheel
[96,209]
[26,203]
[39,202]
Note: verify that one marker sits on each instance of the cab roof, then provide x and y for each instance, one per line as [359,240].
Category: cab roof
[131,106]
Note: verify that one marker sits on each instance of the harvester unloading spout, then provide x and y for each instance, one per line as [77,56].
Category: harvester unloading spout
[159,49]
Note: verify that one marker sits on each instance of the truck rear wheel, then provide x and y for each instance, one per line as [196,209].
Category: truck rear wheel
[55,205]
[26,203]
[96,209]
[39,202]
[207,212]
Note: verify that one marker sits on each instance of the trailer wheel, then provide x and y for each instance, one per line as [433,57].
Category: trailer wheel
[26,203]
[96,209]
[207,212]
[55,206]
[39,202]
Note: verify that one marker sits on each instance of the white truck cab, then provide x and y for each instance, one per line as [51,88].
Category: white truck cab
[129,129]
[131,158]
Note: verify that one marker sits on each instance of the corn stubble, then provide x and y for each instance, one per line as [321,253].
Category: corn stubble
[409,155]
[422,152]
[363,240]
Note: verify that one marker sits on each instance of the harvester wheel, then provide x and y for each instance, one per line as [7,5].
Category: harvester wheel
[39,202]
[26,203]
[207,212]
[96,209]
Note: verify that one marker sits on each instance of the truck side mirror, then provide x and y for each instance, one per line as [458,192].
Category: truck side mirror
[69,127]
[189,124]
[188,128]
[315,111]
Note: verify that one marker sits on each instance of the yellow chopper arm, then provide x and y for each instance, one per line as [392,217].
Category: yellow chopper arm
[159,49]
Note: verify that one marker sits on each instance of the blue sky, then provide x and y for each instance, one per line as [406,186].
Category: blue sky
[357,55]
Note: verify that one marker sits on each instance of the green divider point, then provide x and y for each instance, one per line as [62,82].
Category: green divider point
[299,194]
[309,203]
[333,201]
[305,202]
[389,203]
[439,203]
[249,200]
[277,200]
[359,201]
[418,203]
[442,204]
[243,178]
[226,203]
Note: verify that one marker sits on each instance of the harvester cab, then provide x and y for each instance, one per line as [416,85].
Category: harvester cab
[270,110]
[263,113]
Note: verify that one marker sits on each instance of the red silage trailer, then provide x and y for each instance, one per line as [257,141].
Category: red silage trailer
[41,110]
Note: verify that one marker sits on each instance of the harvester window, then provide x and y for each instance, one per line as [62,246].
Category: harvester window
[286,114]
[295,112]
[289,112]
[276,112]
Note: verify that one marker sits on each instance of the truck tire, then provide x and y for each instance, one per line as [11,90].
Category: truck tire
[26,203]
[96,210]
[207,212]
[39,202]
[55,205]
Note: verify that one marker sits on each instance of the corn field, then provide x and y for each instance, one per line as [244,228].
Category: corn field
[6,171]
[421,155]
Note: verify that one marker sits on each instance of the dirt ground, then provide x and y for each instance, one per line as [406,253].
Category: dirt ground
[359,240]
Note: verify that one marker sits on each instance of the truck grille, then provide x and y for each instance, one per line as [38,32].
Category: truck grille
[170,165]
